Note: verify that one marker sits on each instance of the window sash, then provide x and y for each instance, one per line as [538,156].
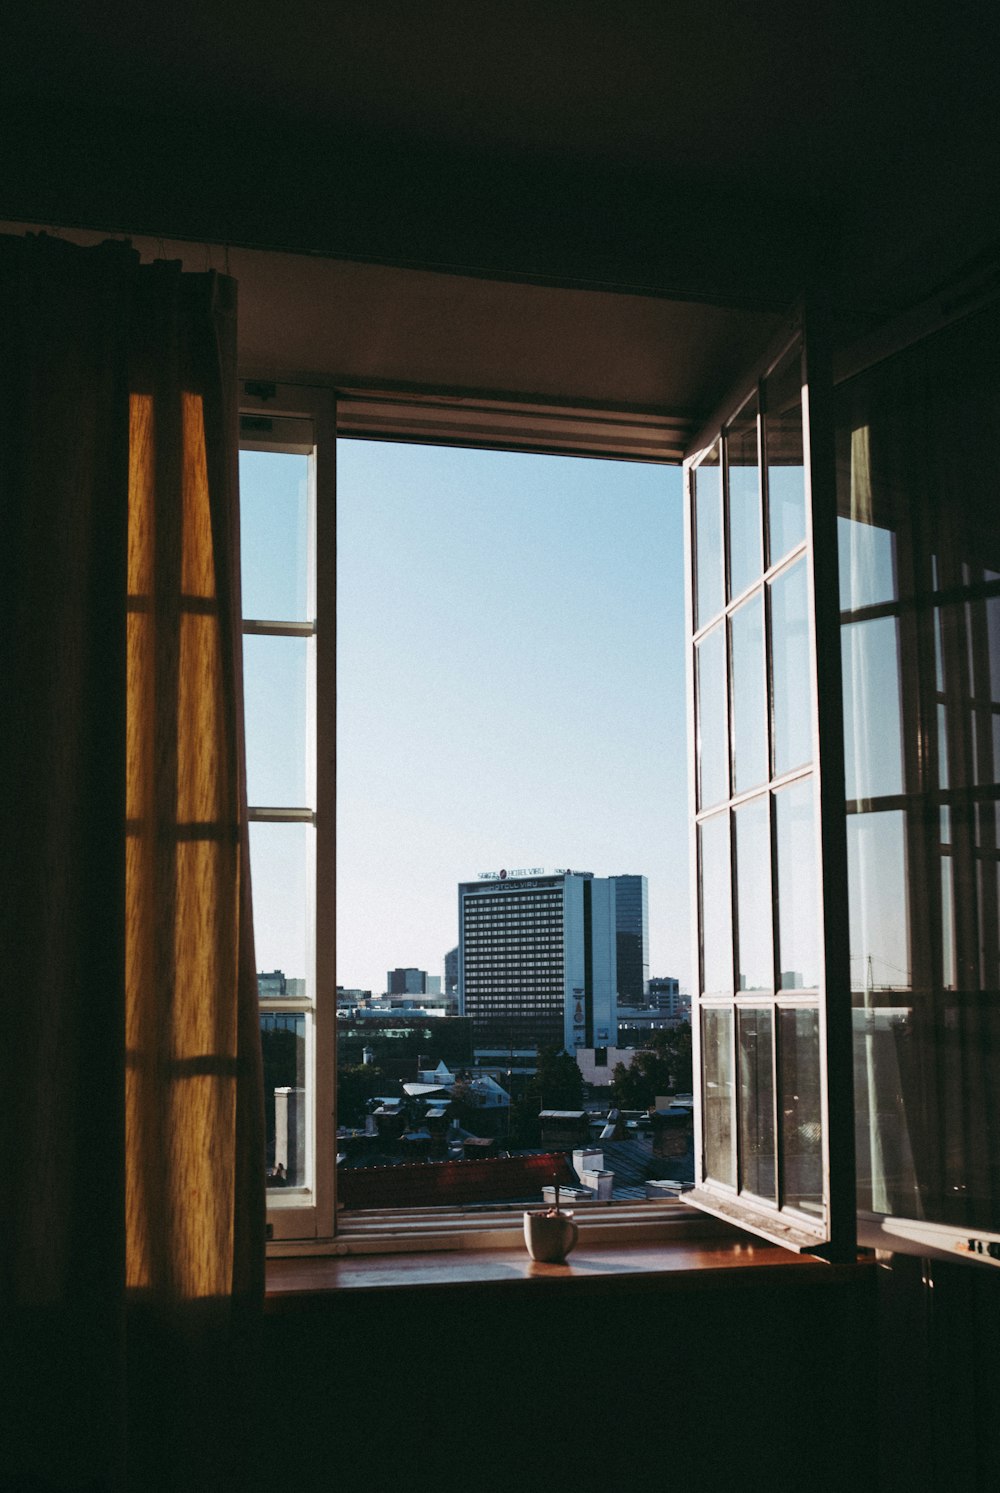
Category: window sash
[748,1108]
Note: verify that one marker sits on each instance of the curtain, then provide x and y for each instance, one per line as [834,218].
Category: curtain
[130,1058]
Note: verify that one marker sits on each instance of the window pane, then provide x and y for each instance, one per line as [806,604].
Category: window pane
[281,867]
[708,537]
[276,677]
[873,730]
[717,1063]
[756,1071]
[283,1040]
[877,890]
[749,728]
[710,663]
[716,906]
[274,528]
[867,556]
[790,670]
[801,1123]
[745,556]
[786,491]
[751,825]
[797,887]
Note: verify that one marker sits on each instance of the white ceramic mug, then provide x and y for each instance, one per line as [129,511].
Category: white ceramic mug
[549,1238]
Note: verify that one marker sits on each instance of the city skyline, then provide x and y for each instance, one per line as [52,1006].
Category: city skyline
[510,688]
[510,691]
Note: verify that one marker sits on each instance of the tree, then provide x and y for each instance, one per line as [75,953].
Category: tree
[664,1067]
[558,1080]
[356,1084]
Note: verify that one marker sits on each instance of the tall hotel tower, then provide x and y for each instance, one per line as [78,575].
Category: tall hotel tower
[632,922]
[537,959]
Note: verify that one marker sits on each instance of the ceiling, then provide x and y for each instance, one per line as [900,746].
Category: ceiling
[720,155]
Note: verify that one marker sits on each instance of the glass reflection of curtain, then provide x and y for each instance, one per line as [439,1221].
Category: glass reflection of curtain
[131,1060]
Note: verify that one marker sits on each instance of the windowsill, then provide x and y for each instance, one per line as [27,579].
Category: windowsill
[737,1260]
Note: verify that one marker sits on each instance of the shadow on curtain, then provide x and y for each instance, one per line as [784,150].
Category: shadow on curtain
[130,1063]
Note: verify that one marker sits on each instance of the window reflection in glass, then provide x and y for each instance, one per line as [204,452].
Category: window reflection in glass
[749,728]
[801,1124]
[752,829]
[745,556]
[713,768]
[717,1069]
[797,886]
[756,1073]
[873,729]
[885,1066]
[790,670]
[786,500]
[708,537]
[878,900]
[867,564]
[716,906]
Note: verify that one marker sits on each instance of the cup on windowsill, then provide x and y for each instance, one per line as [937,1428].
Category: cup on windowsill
[549,1235]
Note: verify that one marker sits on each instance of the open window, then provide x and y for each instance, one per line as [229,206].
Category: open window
[773,1146]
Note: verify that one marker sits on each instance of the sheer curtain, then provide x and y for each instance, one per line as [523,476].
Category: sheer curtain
[130,1061]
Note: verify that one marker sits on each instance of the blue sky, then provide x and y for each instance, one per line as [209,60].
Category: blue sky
[510,690]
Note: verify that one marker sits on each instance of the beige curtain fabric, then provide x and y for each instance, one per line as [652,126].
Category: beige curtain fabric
[133,1227]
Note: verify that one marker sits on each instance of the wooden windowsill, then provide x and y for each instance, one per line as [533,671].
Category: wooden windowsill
[293,1283]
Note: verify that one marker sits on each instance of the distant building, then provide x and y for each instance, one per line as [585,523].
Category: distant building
[537,960]
[632,936]
[636,1022]
[451,972]
[412,982]
[271,984]
[598,1064]
[348,997]
[666,996]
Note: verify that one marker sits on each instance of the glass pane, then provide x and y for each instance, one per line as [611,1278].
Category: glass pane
[791,674]
[786,489]
[717,1064]
[749,728]
[757,1160]
[801,1123]
[886,1124]
[752,828]
[867,564]
[275,535]
[277,685]
[283,1040]
[879,910]
[710,664]
[798,943]
[282,871]
[716,906]
[873,729]
[708,537]
[745,554]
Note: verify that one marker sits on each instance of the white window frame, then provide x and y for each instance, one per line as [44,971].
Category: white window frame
[307,1213]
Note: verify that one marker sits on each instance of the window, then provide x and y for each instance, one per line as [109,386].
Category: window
[285,459]
[288,699]
[765,862]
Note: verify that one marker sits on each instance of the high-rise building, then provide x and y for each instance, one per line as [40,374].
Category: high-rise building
[632,936]
[451,972]
[537,959]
